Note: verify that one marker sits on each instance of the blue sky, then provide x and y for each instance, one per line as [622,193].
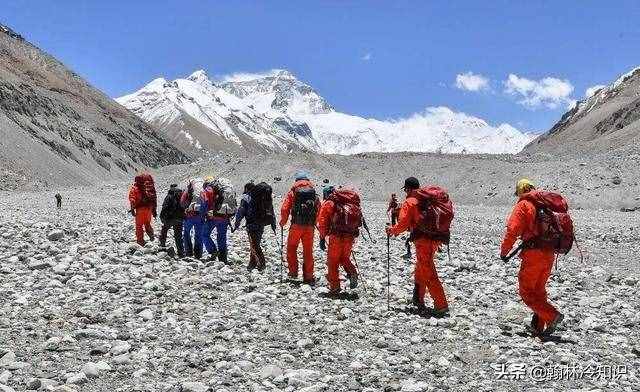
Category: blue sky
[371,58]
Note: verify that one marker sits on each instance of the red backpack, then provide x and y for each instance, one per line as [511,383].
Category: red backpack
[554,226]
[435,213]
[347,215]
[147,188]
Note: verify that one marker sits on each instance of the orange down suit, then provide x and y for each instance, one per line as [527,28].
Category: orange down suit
[143,214]
[340,245]
[536,265]
[298,233]
[426,276]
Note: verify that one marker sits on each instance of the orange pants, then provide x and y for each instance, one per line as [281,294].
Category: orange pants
[535,270]
[297,234]
[143,223]
[426,276]
[339,254]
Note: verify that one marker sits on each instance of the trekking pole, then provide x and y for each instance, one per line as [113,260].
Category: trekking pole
[388,269]
[355,262]
[366,227]
[281,245]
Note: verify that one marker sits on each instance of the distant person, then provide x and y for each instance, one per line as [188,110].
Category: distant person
[221,205]
[144,205]
[194,209]
[429,230]
[256,208]
[537,256]
[302,203]
[58,200]
[339,221]
[393,209]
[172,216]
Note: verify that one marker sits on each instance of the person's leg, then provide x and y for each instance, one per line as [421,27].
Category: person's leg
[198,229]
[208,243]
[307,254]
[334,253]
[221,234]
[530,277]
[345,257]
[139,224]
[293,239]
[253,257]
[262,262]
[426,275]
[177,237]
[186,237]
[163,234]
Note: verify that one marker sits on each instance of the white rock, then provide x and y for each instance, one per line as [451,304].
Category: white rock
[194,387]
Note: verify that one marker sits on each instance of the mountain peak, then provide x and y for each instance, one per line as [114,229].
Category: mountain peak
[200,76]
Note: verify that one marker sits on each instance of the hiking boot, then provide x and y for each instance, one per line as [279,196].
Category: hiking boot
[353,281]
[222,256]
[415,300]
[292,276]
[440,313]
[251,266]
[533,325]
[261,266]
[213,256]
[171,252]
[551,328]
[421,308]
[311,282]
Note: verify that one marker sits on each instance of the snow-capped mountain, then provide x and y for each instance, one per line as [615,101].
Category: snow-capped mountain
[278,112]
[607,119]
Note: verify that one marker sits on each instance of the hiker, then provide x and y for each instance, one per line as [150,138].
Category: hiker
[427,234]
[221,205]
[339,220]
[193,205]
[58,200]
[537,257]
[393,209]
[302,203]
[256,207]
[144,205]
[172,216]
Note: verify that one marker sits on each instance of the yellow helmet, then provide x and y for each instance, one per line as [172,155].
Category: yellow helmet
[523,186]
[209,179]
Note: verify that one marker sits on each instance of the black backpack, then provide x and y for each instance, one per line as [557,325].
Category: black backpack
[171,207]
[304,206]
[260,209]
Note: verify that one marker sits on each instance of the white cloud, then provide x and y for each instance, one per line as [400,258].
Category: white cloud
[247,76]
[549,92]
[367,57]
[592,90]
[471,82]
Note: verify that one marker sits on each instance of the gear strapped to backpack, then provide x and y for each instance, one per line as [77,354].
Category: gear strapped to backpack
[347,216]
[192,203]
[225,203]
[304,206]
[260,209]
[435,214]
[554,226]
[147,188]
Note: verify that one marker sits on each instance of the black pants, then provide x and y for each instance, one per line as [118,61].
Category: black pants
[59,203]
[176,226]
[394,218]
[256,256]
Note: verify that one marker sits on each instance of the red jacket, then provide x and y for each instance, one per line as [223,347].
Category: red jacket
[324,217]
[287,203]
[521,224]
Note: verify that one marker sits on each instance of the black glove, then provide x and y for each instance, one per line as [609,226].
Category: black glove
[154,213]
[323,244]
[132,212]
[273,227]
[504,258]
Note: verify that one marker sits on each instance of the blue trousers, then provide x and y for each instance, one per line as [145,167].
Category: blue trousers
[220,226]
[193,248]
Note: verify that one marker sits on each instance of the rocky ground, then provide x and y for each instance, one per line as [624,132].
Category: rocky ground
[84,309]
